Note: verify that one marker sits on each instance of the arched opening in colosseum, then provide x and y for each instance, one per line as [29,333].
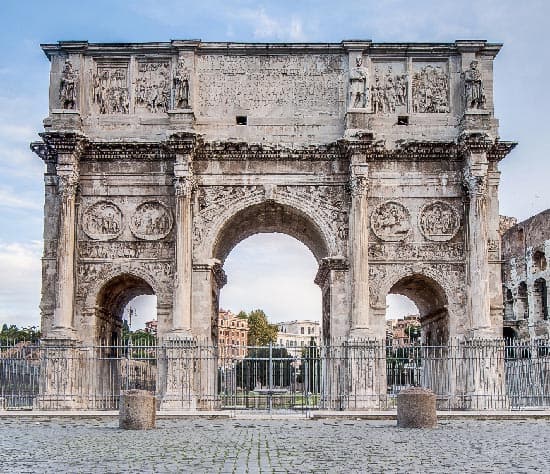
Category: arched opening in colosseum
[522,303]
[539,261]
[120,298]
[431,302]
[540,298]
[261,240]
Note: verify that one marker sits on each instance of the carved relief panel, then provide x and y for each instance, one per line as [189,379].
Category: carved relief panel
[110,90]
[439,221]
[430,87]
[152,91]
[389,87]
[102,221]
[151,220]
[390,221]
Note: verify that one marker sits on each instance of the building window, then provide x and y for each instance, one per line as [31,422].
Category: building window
[301,330]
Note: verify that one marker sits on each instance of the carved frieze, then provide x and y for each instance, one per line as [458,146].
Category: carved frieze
[68,86]
[430,89]
[151,220]
[153,86]
[131,249]
[390,221]
[102,221]
[388,89]
[110,90]
[439,221]
[415,251]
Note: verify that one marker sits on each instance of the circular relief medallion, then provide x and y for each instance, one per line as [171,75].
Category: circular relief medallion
[391,221]
[439,221]
[102,221]
[151,221]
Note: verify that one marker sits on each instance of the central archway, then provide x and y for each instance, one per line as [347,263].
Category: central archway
[274,217]
[268,217]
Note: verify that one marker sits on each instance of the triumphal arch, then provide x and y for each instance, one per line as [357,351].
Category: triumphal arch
[382,158]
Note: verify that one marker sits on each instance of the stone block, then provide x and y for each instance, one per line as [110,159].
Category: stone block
[416,408]
[137,410]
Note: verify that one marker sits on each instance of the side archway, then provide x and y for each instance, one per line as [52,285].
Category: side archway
[111,300]
[431,300]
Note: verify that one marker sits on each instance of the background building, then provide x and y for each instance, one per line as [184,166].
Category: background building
[297,334]
[232,335]
[525,276]
[401,332]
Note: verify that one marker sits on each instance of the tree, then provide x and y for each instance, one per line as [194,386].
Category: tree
[260,332]
[13,333]
[242,315]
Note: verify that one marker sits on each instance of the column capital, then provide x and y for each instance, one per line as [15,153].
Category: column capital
[475,182]
[67,182]
[185,185]
[359,179]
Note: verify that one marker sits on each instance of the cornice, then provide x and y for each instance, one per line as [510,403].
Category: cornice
[240,151]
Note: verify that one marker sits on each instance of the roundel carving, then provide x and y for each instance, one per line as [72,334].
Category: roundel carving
[439,221]
[102,221]
[390,221]
[151,221]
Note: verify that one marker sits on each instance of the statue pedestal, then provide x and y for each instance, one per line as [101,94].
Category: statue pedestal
[63,120]
[181,119]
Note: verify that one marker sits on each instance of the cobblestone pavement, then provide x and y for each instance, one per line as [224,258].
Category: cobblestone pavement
[219,446]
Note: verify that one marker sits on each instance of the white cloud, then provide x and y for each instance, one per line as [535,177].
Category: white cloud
[269,27]
[9,198]
[20,283]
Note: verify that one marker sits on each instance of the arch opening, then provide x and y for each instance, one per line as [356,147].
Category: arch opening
[430,300]
[113,300]
[284,268]
[273,272]
[270,217]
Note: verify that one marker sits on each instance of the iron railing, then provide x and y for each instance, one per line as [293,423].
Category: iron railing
[478,374]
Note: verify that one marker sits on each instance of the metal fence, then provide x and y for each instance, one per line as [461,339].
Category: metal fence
[493,374]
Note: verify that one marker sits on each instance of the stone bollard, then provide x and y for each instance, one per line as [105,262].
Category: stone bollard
[416,408]
[137,410]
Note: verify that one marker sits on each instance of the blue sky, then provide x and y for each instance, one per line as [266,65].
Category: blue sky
[522,100]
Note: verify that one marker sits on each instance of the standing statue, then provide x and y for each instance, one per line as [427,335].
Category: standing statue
[181,86]
[67,87]
[358,84]
[473,87]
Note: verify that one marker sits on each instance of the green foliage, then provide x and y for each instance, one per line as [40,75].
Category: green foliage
[242,315]
[253,371]
[260,332]
[310,368]
[13,333]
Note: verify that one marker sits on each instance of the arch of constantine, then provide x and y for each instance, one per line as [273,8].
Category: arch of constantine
[381,158]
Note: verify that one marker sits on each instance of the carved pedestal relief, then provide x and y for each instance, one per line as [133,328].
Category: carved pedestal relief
[390,221]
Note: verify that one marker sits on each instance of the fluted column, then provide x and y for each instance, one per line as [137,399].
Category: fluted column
[359,258]
[67,186]
[475,181]
[181,319]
